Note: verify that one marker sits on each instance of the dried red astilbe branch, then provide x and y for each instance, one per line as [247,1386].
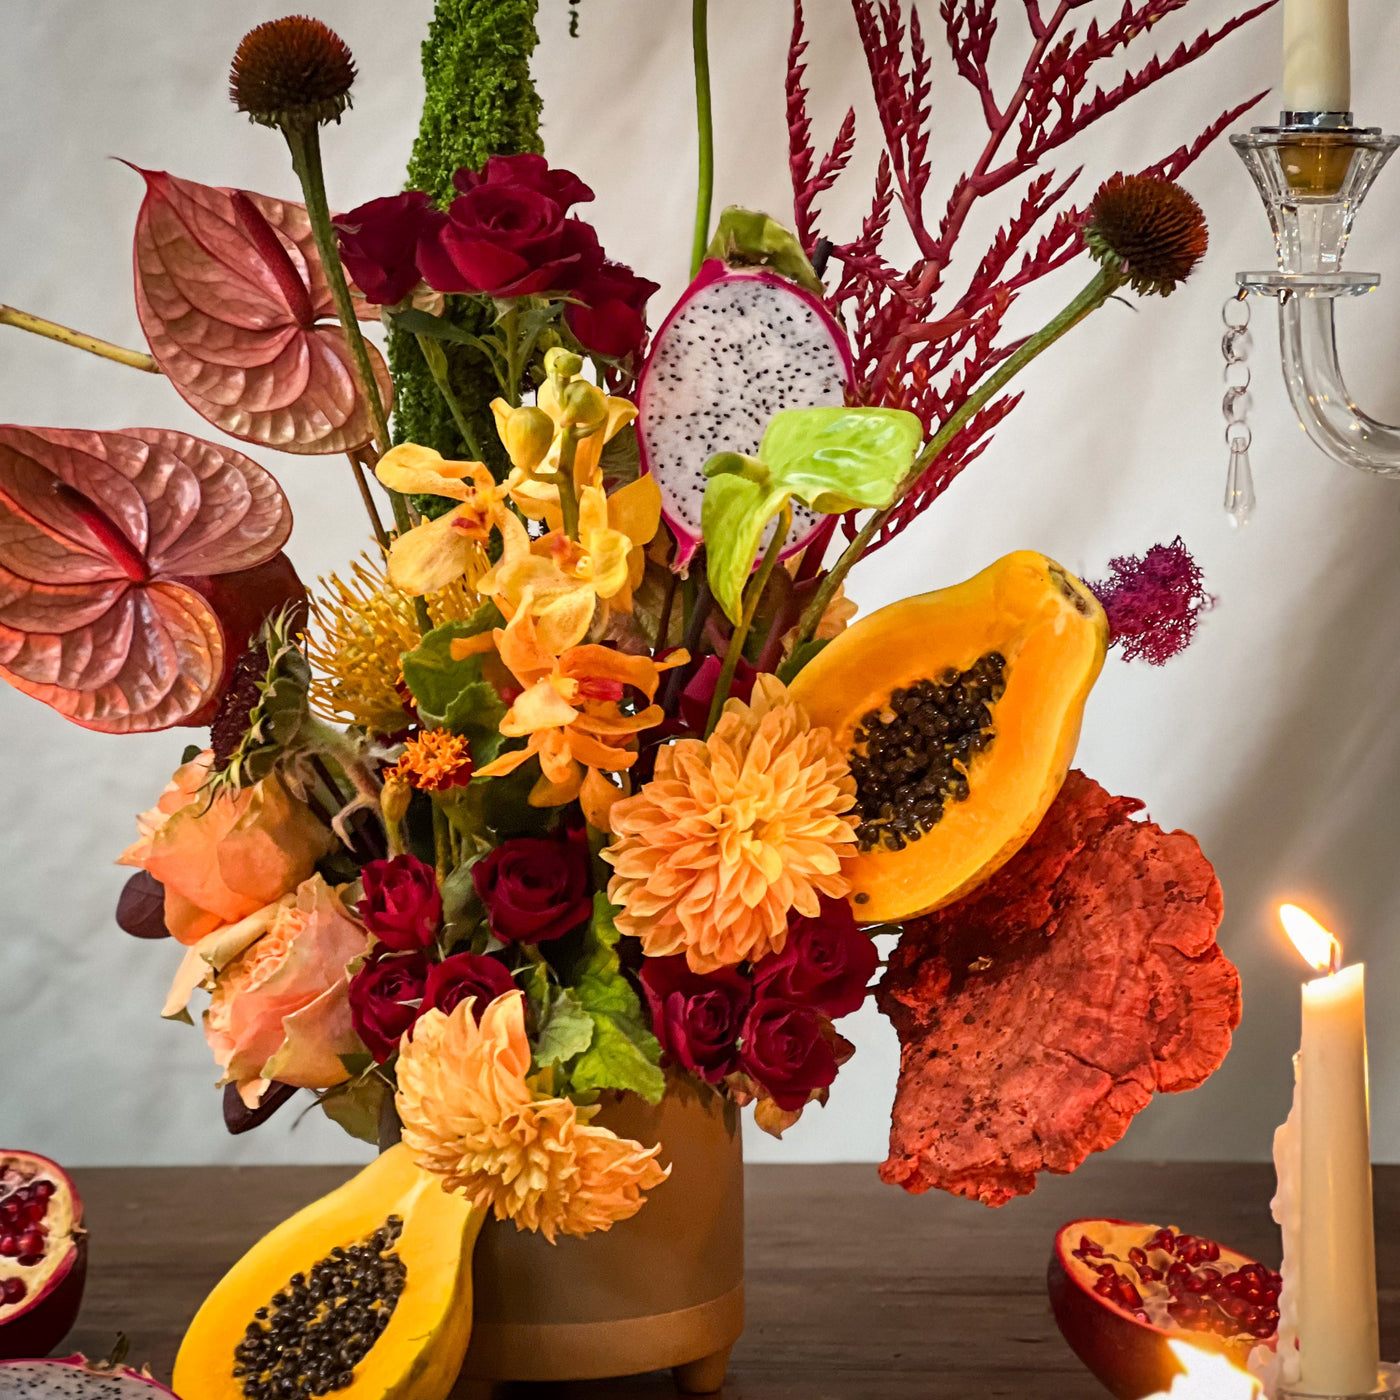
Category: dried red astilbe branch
[918,345]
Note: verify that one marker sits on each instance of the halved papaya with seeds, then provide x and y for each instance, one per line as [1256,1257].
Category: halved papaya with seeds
[959,712]
[364,1293]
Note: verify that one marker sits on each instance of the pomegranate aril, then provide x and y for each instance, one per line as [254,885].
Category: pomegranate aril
[35,1212]
[9,1246]
[43,1190]
[31,1242]
[13,1290]
[1088,1249]
[1125,1295]
[1164,1240]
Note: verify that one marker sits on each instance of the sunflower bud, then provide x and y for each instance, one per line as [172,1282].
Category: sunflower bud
[292,71]
[583,407]
[527,434]
[1148,230]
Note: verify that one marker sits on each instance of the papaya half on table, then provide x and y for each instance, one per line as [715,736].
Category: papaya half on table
[364,1293]
[959,713]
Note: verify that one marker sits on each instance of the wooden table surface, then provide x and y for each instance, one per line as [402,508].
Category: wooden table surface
[856,1291]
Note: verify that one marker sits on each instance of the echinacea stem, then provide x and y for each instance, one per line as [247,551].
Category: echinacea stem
[735,650]
[79,340]
[1105,282]
[358,467]
[704,120]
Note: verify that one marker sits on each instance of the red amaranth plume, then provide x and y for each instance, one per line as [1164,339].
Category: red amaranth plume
[1153,602]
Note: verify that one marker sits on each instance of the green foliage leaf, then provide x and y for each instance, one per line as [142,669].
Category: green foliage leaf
[452,694]
[623,1053]
[567,1031]
[357,1106]
[735,513]
[840,459]
[801,655]
[748,238]
[621,461]
[416,322]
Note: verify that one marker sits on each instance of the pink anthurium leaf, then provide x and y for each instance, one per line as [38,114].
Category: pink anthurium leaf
[234,305]
[129,566]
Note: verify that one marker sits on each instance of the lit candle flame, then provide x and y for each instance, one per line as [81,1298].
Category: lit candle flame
[1206,1375]
[1317,945]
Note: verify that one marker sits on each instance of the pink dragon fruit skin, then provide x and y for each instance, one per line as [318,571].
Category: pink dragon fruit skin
[76,1378]
[740,344]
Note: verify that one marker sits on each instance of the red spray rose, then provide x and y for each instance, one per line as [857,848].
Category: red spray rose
[535,888]
[466,975]
[379,244]
[402,905]
[507,235]
[786,1051]
[827,962]
[386,998]
[697,1019]
[612,318]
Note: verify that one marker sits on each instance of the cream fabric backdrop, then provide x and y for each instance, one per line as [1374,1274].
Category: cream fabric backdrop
[1273,738]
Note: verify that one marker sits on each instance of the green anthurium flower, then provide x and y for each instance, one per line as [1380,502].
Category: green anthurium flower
[831,459]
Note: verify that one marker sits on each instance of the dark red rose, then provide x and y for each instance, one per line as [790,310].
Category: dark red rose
[612,318]
[402,905]
[826,963]
[507,235]
[697,1019]
[386,998]
[700,690]
[535,888]
[379,244]
[786,1051]
[465,975]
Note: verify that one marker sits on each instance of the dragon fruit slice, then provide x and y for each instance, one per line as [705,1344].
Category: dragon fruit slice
[739,345]
[76,1378]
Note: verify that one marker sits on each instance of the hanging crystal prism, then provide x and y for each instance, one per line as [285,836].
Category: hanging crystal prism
[1239,484]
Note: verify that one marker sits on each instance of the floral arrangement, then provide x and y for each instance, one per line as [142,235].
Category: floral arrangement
[573,785]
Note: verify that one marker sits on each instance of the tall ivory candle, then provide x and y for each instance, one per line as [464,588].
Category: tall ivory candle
[1316,56]
[1323,1156]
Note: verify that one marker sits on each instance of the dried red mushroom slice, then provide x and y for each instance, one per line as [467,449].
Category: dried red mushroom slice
[1040,1014]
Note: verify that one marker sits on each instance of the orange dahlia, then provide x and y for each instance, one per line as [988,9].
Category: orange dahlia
[470,1117]
[732,834]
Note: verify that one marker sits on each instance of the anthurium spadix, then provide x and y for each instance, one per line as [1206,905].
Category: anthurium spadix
[829,459]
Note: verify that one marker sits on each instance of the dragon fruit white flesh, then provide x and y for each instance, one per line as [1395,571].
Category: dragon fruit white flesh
[76,1378]
[740,344]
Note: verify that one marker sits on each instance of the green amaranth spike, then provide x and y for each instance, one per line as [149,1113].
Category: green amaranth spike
[479,101]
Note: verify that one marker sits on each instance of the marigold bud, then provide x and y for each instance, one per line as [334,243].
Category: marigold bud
[395,797]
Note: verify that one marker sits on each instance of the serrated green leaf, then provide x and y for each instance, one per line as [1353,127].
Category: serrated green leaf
[801,655]
[452,694]
[357,1106]
[565,1032]
[623,1053]
[416,322]
[840,459]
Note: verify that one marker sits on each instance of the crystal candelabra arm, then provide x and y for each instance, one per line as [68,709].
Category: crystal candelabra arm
[1308,340]
[1313,171]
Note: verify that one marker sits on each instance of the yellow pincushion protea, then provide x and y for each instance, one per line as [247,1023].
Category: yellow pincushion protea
[470,1117]
[359,630]
[733,833]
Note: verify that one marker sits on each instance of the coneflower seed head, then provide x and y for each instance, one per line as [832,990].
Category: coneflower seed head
[292,70]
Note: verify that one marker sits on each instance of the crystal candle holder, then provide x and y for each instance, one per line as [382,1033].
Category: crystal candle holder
[1313,172]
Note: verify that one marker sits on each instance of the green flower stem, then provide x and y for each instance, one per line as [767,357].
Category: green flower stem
[735,648]
[568,498]
[321,737]
[704,120]
[435,357]
[442,843]
[304,142]
[1106,281]
[357,467]
[510,323]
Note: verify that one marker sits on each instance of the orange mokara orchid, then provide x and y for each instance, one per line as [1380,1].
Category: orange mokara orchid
[571,713]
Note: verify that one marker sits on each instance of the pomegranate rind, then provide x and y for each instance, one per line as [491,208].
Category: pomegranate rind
[1038,1015]
[78,1367]
[653,393]
[1130,1358]
[40,1321]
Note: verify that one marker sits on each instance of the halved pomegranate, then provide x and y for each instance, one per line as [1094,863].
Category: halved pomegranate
[43,1254]
[1120,1290]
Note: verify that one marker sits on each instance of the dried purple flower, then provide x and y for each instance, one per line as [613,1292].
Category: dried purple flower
[1153,602]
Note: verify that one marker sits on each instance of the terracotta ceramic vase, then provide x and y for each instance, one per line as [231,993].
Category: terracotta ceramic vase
[662,1290]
